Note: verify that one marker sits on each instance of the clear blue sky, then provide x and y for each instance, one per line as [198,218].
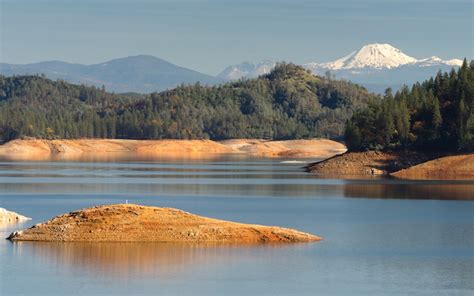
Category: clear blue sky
[210,35]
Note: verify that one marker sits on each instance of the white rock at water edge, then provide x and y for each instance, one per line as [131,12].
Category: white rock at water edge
[8,216]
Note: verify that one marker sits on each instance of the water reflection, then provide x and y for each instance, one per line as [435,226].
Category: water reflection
[7,225]
[425,190]
[121,156]
[146,259]
[375,245]
[223,177]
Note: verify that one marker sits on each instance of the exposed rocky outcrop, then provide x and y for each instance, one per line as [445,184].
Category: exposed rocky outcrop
[456,167]
[135,223]
[314,148]
[367,163]
[404,165]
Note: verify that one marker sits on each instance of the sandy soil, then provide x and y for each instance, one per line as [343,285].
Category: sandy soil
[366,163]
[135,223]
[111,145]
[36,149]
[317,148]
[449,167]
[8,216]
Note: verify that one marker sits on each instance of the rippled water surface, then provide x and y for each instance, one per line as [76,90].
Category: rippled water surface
[381,236]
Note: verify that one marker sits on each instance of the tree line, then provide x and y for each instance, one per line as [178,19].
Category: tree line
[437,114]
[287,103]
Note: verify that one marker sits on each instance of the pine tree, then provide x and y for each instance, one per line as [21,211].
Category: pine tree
[437,119]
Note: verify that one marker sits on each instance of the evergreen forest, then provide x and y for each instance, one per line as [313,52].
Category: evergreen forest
[437,115]
[288,103]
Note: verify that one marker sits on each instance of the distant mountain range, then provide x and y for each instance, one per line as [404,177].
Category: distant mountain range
[142,73]
[380,56]
[246,69]
[375,66]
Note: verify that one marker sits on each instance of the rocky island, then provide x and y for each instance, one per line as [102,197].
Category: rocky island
[9,216]
[136,223]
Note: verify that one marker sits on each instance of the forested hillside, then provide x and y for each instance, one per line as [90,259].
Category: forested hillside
[287,103]
[437,114]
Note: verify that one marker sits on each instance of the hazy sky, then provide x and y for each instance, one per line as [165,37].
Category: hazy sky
[210,35]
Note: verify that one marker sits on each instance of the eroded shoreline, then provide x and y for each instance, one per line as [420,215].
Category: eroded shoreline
[403,165]
[38,149]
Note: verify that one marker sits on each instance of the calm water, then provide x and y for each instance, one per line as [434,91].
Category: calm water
[381,236]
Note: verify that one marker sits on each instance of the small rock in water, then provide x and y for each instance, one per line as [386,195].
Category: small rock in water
[13,235]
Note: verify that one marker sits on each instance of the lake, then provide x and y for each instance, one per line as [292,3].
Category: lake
[381,236]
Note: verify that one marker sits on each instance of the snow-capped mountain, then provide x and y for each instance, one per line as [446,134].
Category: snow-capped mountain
[434,60]
[376,66]
[378,57]
[246,69]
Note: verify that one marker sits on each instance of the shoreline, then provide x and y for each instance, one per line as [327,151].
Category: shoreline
[7,216]
[450,167]
[37,149]
[336,161]
[411,165]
